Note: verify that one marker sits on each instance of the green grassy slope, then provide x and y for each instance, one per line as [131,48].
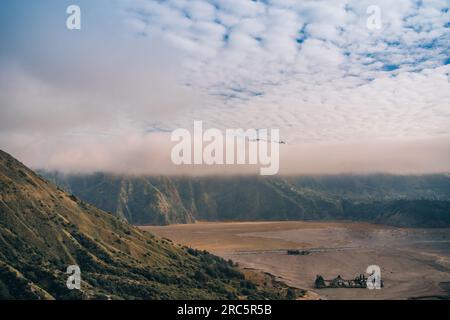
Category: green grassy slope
[43,230]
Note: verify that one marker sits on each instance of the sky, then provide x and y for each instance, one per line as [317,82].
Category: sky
[346,97]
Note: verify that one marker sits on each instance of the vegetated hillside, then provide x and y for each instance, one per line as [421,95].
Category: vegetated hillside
[257,198]
[367,198]
[379,186]
[402,213]
[43,230]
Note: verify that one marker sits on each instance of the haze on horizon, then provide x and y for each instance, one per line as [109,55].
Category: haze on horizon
[346,99]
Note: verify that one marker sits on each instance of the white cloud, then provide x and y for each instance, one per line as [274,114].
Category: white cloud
[286,58]
[311,68]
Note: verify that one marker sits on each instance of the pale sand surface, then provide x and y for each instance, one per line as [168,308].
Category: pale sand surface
[415,263]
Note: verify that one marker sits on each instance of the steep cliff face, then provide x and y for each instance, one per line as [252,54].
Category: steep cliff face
[257,198]
[168,200]
[165,200]
[139,200]
[43,230]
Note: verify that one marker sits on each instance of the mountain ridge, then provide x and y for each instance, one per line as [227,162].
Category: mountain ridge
[372,198]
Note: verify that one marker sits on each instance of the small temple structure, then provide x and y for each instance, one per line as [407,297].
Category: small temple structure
[339,282]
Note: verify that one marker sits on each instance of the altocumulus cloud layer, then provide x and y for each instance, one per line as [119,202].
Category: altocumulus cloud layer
[346,98]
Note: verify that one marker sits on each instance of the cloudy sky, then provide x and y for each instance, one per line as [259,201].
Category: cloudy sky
[346,97]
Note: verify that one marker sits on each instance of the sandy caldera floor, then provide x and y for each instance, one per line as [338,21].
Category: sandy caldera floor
[415,263]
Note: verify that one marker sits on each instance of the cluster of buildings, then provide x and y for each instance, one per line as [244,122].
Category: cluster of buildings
[339,282]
